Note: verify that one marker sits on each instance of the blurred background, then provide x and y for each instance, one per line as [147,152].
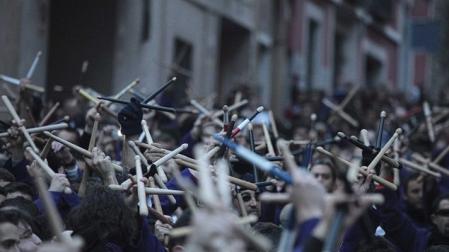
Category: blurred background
[278,49]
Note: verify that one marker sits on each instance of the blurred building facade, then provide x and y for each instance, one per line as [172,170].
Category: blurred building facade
[334,43]
[215,46]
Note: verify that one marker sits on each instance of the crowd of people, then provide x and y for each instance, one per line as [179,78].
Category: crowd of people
[161,172]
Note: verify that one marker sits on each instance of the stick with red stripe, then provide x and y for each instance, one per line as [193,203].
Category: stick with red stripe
[243,124]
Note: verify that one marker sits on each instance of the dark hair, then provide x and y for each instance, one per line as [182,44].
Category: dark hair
[2,191]
[23,205]
[19,187]
[377,244]
[329,163]
[6,175]
[437,201]
[14,217]
[410,178]
[101,218]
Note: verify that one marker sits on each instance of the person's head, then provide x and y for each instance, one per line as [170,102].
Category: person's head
[413,191]
[62,154]
[6,177]
[21,204]
[324,172]
[102,218]
[250,202]
[440,214]
[16,233]
[19,189]
[167,140]
[70,135]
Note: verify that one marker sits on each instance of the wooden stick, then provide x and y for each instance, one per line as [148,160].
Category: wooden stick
[187,230]
[206,112]
[160,90]
[238,97]
[143,208]
[384,149]
[78,149]
[287,155]
[376,178]
[156,201]
[45,167]
[298,142]
[364,136]
[233,180]
[49,114]
[50,209]
[161,184]
[268,140]
[170,155]
[9,92]
[149,190]
[170,115]
[428,115]
[245,122]
[17,83]
[355,141]
[223,183]
[30,116]
[41,129]
[125,89]
[155,148]
[94,100]
[46,148]
[275,197]
[93,136]
[432,165]
[147,132]
[206,191]
[340,112]
[33,65]
[274,128]
[212,152]
[225,116]
[159,216]
[231,108]
[348,97]
[418,167]
[442,154]
[252,147]
[19,123]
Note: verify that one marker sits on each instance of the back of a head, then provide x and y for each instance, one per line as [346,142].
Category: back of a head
[101,218]
[21,204]
[19,187]
[15,217]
